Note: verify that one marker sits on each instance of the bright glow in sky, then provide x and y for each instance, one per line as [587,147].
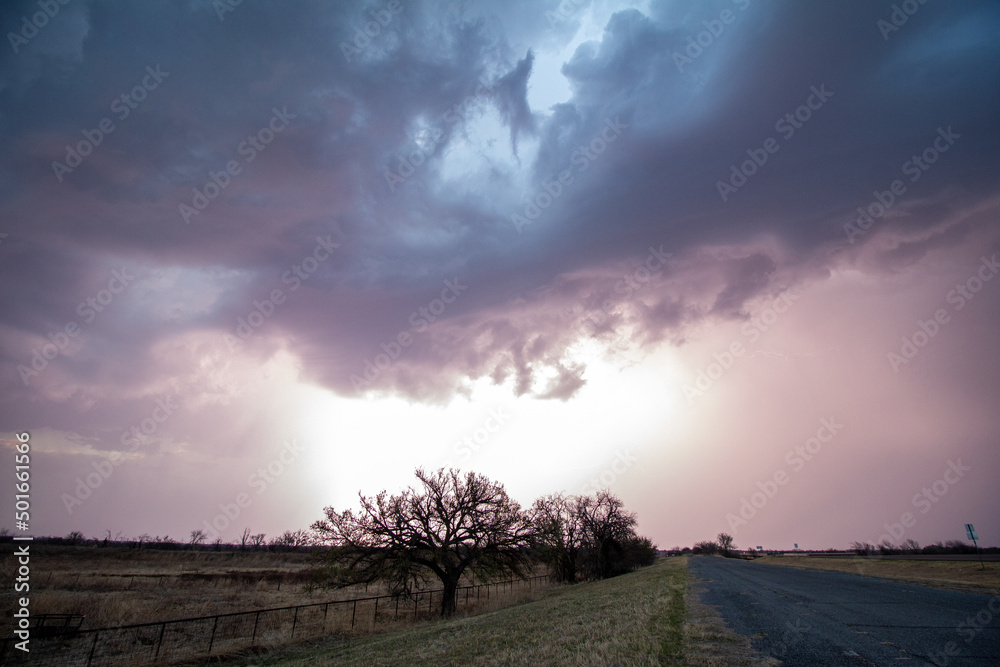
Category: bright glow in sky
[611,270]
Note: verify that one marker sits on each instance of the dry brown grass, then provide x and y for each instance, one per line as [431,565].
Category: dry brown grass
[116,586]
[961,575]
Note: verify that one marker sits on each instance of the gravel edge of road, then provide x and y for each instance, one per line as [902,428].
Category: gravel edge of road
[708,641]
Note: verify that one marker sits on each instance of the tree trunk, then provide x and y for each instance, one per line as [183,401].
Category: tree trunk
[450,592]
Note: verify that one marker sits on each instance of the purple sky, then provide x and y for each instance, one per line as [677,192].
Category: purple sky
[732,260]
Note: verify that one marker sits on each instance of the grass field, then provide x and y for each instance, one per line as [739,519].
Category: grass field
[635,619]
[117,586]
[640,618]
[950,574]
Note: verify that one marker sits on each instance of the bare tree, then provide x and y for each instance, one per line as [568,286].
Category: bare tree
[559,533]
[292,539]
[198,537]
[705,547]
[607,527]
[449,526]
[726,544]
[863,548]
[245,539]
[258,540]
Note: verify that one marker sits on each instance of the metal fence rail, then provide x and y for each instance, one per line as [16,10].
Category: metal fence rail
[185,638]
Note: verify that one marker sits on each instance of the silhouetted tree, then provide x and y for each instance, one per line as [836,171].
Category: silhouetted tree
[726,543]
[559,534]
[291,539]
[638,552]
[606,527]
[449,526]
[863,548]
[707,548]
[588,536]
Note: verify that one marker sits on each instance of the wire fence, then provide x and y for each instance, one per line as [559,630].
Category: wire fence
[163,642]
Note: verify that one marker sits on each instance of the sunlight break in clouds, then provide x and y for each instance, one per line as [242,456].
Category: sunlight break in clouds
[266,242]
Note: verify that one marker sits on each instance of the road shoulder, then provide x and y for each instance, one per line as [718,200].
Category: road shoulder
[708,641]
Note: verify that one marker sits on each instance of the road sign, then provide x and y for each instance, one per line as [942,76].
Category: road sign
[970,531]
[796,545]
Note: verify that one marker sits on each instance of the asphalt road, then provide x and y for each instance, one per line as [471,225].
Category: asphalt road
[806,617]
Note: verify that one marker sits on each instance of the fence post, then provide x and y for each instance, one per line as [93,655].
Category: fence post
[326,608]
[395,614]
[256,618]
[159,642]
[353,613]
[295,619]
[92,647]
[212,639]
[375,615]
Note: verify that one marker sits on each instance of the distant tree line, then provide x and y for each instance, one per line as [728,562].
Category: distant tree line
[723,545]
[912,547]
[290,540]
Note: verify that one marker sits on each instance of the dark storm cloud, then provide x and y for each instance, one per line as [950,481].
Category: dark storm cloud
[359,112]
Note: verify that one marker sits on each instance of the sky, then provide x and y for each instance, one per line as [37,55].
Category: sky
[731,260]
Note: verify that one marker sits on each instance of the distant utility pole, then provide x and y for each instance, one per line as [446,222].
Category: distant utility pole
[970,531]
